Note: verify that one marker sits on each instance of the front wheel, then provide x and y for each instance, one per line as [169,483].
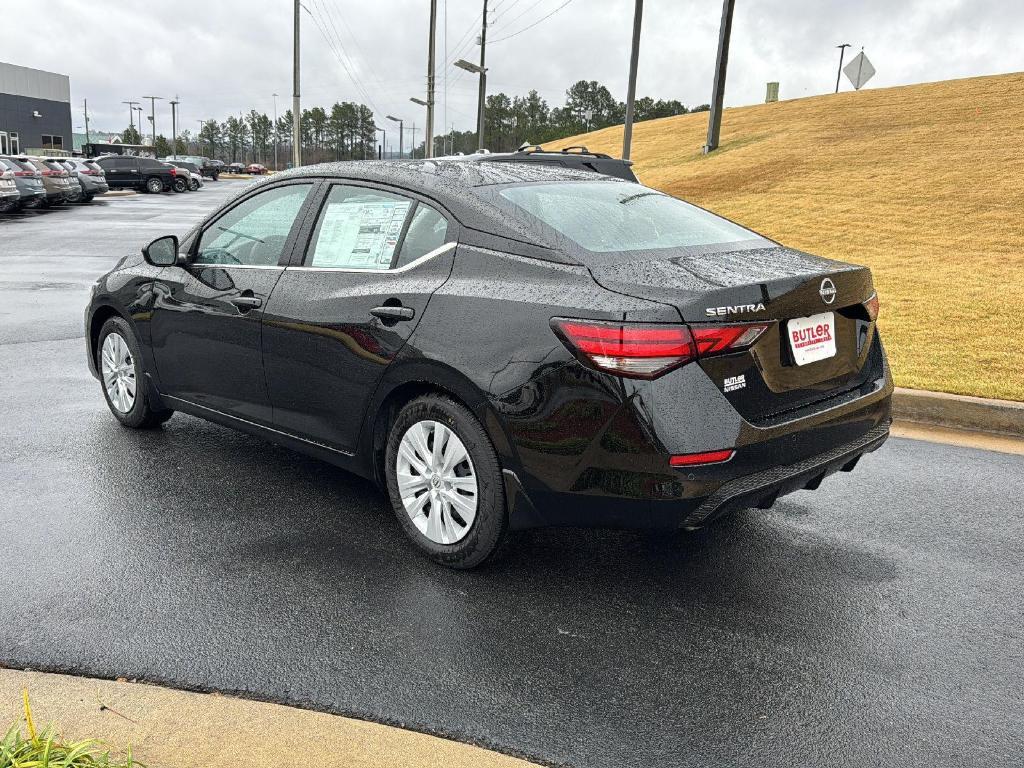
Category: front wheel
[193,185]
[180,185]
[154,185]
[445,482]
[121,373]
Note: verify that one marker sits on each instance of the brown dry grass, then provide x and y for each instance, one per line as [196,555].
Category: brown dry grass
[924,184]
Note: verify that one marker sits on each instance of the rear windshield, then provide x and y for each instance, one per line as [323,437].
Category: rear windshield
[604,216]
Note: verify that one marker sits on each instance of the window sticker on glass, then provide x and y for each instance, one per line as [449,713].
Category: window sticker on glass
[360,233]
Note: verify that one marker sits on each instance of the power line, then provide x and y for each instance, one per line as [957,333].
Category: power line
[340,55]
[531,26]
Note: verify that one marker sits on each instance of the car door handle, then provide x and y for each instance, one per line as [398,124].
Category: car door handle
[393,314]
[245,303]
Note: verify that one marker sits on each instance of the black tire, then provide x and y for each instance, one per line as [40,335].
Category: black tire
[489,528]
[154,185]
[142,415]
[193,185]
[180,185]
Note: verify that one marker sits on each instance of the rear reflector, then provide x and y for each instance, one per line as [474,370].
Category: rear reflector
[648,350]
[871,305]
[699,459]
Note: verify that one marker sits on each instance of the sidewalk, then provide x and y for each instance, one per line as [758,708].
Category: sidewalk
[175,729]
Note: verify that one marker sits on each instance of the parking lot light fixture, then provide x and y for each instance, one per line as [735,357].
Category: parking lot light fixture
[469,66]
[401,134]
[414,100]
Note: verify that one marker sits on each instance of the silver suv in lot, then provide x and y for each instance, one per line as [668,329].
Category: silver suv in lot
[9,194]
[27,179]
[91,177]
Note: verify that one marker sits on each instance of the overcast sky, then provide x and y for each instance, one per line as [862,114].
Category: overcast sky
[223,56]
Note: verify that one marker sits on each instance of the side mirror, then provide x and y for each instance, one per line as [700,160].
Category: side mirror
[162,252]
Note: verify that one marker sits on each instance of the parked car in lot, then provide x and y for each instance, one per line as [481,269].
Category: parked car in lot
[27,179]
[211,169]
[236,168]
[503,345]
[194,175]
[142,173]
[90,176]
[9,194]
[256,169]
[182,179]
[56,182]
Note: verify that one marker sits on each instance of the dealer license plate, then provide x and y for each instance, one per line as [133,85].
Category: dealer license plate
[812,338]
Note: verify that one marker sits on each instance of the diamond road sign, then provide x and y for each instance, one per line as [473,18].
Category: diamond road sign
[859,70]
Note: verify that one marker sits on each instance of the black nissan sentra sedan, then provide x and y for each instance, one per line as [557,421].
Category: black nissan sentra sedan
[502,346]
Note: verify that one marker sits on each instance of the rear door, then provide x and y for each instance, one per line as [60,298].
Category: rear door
[358,286]
[208,315]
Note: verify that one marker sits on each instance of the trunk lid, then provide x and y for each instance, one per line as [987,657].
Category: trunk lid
[770,283]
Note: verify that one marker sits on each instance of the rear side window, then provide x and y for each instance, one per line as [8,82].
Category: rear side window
[611,216]
[427,232]
[358,229]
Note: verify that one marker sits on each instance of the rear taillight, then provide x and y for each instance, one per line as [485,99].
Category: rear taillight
[871,306]
[24,173]
[648,350]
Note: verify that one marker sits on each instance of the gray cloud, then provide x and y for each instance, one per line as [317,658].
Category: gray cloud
[226,56]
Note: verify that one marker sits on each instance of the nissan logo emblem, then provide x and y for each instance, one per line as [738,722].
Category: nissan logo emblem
[827,291]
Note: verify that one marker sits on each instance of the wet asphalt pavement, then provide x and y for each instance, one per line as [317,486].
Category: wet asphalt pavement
[877,621]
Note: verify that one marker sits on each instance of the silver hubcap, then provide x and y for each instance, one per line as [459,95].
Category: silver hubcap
[118,372]
[437,482]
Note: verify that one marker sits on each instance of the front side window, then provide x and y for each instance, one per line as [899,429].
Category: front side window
[612,216]
[254,232]
[358,228]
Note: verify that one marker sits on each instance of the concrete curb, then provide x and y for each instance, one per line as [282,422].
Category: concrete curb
[119,193]
[169,729]
[978,414]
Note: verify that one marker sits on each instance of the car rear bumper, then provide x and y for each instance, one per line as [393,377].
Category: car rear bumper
[615,471]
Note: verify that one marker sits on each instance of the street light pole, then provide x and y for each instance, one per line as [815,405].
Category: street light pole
[384,143]
[131,112]
[429,146]
[174,126]
[152,113]
[401,135]
[634,58]
[481,99]
[85,108]
[842,52]
[718,90]
[296,106]
[139,110]
[277,136]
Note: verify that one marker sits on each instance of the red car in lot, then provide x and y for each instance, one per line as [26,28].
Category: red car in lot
[256,168]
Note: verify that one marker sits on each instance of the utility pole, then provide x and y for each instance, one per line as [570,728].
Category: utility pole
[842,52]
[401,134]
[174,125]
[429,145]
[634,59]
[85,107]
[718,90]
[296,107]
[412,150]
[131,113]
[481,100]
[276,135]
[152,113]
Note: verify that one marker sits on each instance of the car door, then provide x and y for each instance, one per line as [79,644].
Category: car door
[207,317]
[117,170]
[357,286]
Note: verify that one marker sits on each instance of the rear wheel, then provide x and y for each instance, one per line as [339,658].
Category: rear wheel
[445,482]
[121,374]
[154,185]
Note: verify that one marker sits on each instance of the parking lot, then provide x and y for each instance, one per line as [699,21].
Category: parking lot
[877,621]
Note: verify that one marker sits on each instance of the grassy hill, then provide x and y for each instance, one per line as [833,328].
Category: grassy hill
[924,184]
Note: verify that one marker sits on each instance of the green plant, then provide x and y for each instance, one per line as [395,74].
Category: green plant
[44,749]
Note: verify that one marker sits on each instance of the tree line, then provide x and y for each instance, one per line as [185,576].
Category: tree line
[348,130]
